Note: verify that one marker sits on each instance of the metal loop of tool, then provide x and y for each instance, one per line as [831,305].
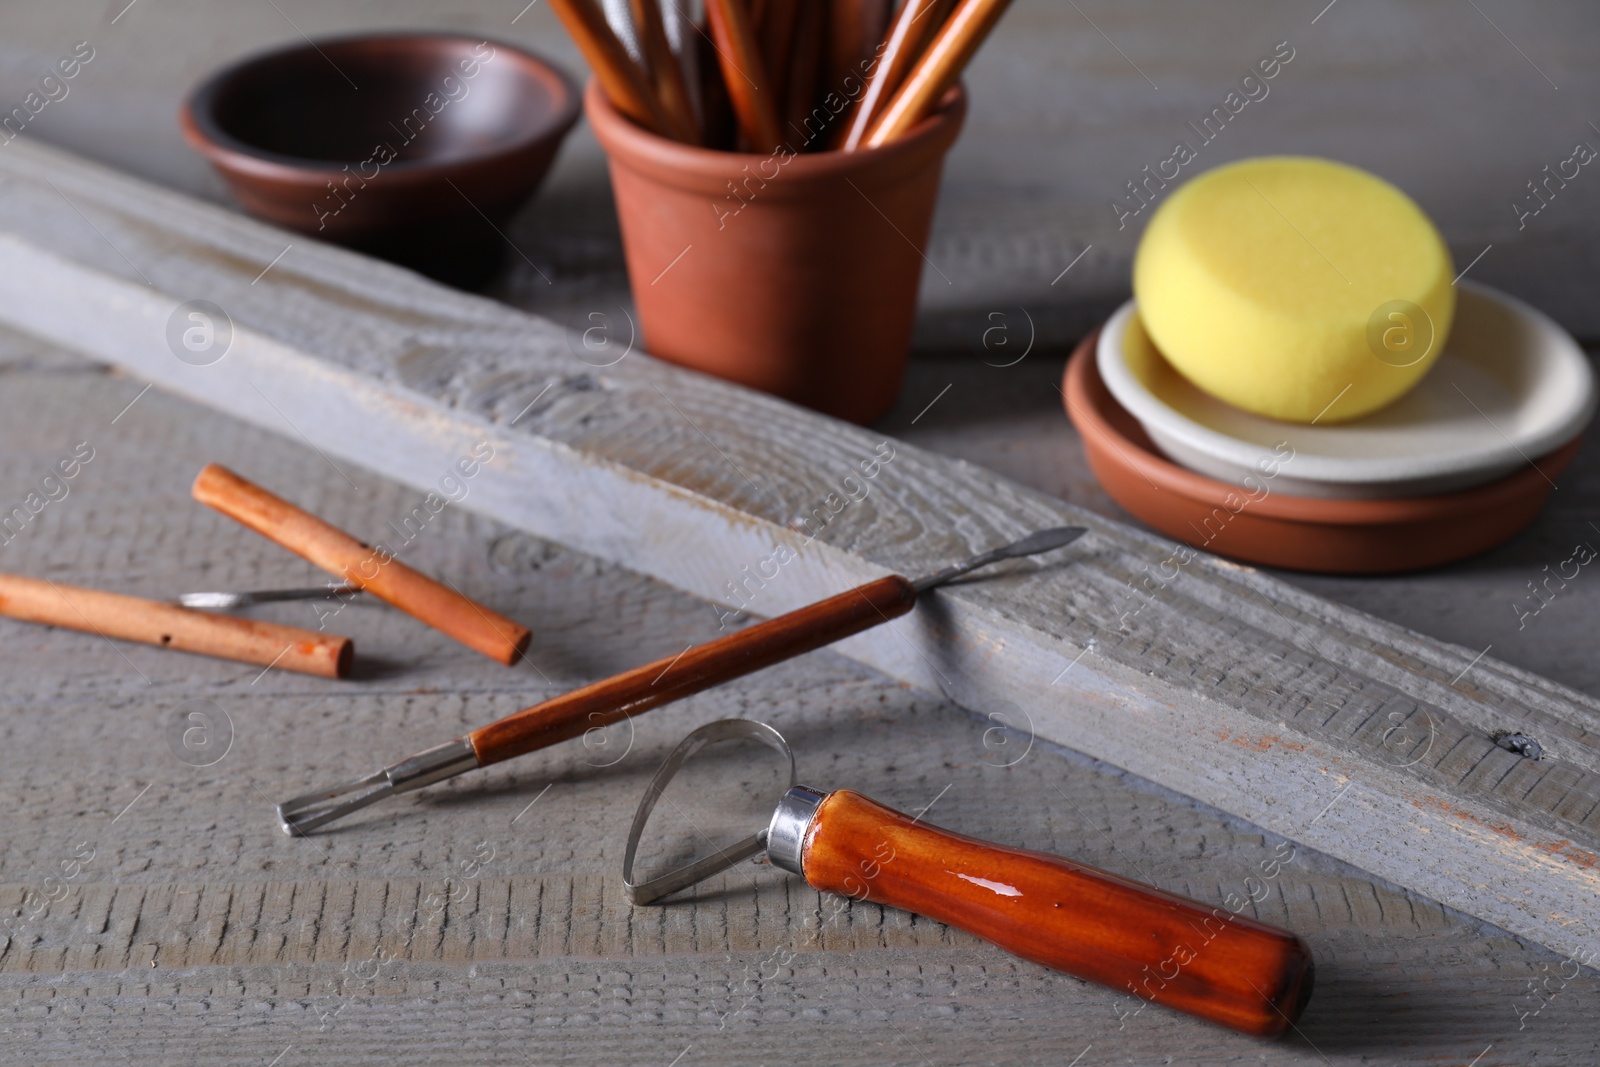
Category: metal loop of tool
[703,868]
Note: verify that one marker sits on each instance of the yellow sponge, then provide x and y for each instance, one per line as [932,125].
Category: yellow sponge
[1286,283]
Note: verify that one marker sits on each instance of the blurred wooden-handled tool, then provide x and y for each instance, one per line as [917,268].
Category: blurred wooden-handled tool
[623,22]
[717,123]
[755,101]
[805,72]
[683,36]
[915,25]
[153,622]
[622,79]
[665,74]
[855,29]
[938,69]
[776,28]
[371,569]
[643,688]
[1209,962]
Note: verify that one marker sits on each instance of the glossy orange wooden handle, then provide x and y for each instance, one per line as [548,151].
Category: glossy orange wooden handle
[702,667]
[624,83]
[749,86]
[937,70]
[1156,945]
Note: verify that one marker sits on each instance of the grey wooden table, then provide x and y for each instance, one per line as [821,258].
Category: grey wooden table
[484,921]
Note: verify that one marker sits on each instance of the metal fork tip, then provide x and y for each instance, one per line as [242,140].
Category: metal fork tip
[213,601]
[304,813]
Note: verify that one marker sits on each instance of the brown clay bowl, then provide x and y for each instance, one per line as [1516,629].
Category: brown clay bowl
[1327,536]
[412,146]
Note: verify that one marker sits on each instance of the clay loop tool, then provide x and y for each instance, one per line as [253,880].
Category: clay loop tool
[1210,962]
[226,601]
[701,869]
[636,691]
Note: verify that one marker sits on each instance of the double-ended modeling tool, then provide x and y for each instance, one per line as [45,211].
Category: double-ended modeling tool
[652,685]
[174,627]
[371,568]
[1209,962]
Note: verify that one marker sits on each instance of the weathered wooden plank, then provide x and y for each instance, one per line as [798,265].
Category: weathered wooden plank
[1007,418]
[1350,734]
[315,951]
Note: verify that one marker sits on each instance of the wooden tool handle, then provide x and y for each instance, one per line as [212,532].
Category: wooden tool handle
[805,73]
[699,668]
[151,622]
[624,83]
[855,29]
[937,71]
[665,73]
[1158,946]
[750,88]
[775,28]
[915,25]
[373,569]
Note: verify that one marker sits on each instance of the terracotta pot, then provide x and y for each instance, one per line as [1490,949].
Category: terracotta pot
[795,274]
[446,137]
[1318,534]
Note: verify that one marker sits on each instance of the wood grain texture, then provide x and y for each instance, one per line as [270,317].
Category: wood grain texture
[1426,93]
[1004,414]
[395,942]
[1159,947]
[694,670]
[1213,679]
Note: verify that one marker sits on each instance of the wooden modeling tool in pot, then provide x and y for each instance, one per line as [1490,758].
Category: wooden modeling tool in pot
[359,564]
[915,25]
[1098,926]
[745,73]
[652,685]
[937,71]
[624,83]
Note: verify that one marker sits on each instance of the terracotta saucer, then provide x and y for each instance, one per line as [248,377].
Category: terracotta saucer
[1504,362]
[1264,526]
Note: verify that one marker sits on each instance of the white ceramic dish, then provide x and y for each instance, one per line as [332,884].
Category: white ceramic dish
[1510,386]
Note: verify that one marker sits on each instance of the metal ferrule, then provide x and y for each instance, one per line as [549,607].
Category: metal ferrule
[786,834]
[432,765]
[303,814]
